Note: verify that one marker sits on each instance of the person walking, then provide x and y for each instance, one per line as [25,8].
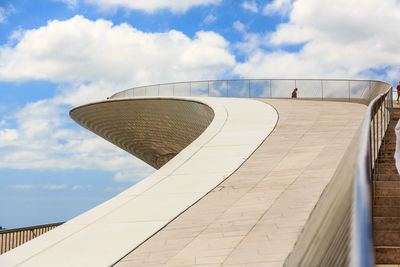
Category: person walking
[398,92]
[294,93]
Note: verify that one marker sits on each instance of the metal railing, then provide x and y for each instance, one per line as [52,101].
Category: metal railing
[346,90]
[13,238]
[373,131]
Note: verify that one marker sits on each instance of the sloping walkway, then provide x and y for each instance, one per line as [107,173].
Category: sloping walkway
[256,215]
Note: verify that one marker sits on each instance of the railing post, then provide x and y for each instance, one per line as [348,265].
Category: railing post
[208,84]
[249,89]
[190,88]
[349,89]
[270,88]
[322,88]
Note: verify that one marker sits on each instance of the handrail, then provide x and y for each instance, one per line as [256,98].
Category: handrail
[362,91]
[374,126]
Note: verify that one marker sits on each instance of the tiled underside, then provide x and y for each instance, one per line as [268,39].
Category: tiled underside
[255,216]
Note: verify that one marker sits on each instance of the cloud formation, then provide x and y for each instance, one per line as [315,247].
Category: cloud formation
[3,16]
[5,12]
[250,5]
[91,60]
[79,50]
[348,40]
[210,19]
[39,186]
[152,5]
[70,3]
[282,7]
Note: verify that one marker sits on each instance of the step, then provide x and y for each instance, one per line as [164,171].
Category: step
[387,192]
[386,211]
[386,223]
[386,155]
[387,165]
[388,177]
[387,184]
[387,238]
[386,159]
[387,201]
[387,255]
[387,171]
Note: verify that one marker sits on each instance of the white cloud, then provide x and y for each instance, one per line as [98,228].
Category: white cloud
[92,60]
[53,186]
[250,5]
[46,140]
[210,19]
[82,187]
[114,189]
[282,7]
[20,186]
[346,40]
[40,186]
[5,12]
[152,5]
[3,17]
[79,49]
[240,27]
[123,176]
[7,135]
[72,4]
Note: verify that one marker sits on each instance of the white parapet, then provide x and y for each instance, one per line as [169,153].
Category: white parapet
[103,235]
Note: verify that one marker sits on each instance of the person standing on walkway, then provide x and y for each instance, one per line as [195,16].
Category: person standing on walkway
[294,93]
[398,92]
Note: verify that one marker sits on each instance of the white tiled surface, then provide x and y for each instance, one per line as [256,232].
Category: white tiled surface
[104,234]
[254,217]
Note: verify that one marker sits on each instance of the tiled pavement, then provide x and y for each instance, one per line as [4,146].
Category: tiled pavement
[255,216]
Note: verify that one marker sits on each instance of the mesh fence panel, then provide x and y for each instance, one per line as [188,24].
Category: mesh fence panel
[335,89]
[219,88]
[282,88]
[182,89]
[152,90]
[238,88]
[309,88]
[199,88]
[166,89]
[260,88]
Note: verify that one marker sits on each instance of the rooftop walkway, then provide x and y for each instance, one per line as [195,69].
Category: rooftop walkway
[256,215]
[241,194]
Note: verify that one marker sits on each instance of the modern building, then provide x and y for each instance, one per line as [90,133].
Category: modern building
[246,176]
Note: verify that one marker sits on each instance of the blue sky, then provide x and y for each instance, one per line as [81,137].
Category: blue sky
[57,54]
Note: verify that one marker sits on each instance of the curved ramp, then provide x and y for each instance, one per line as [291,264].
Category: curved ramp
[103,235]
[255,217]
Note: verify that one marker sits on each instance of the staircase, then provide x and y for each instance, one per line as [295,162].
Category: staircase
[386,209]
